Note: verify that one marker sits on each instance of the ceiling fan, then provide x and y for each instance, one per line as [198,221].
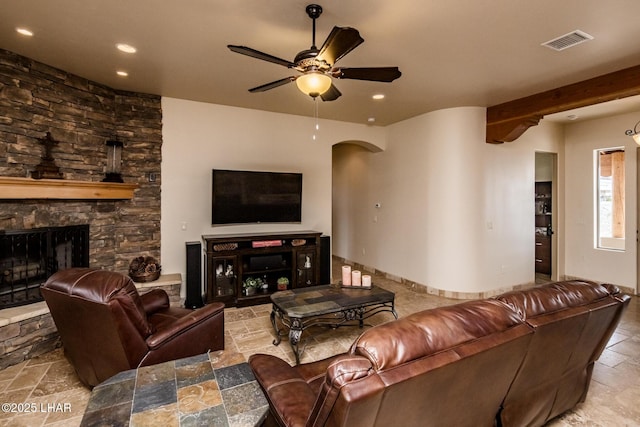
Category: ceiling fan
[318,65]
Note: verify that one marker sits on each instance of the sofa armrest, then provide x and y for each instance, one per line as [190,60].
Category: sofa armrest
[184,324]
[154,300]
[611,288]
[341,371]
[290,397]
[314,372]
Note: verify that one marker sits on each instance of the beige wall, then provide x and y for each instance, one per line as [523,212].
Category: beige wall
[198,137]
[582,258]
[456,213]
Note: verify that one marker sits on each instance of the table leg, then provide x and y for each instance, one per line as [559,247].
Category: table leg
[274,322]
[295,332]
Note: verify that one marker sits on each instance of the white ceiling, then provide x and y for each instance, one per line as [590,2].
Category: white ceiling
[451,53]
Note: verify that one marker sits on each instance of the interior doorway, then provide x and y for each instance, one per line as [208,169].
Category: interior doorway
[545,206]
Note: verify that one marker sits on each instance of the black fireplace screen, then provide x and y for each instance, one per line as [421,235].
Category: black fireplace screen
[29,257]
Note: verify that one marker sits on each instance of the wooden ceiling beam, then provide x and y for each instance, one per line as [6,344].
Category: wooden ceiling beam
[507,121]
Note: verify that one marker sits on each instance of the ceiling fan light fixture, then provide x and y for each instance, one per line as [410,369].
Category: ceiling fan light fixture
[635,133]
[313,83]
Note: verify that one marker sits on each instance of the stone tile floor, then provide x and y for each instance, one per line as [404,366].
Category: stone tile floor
[48,383]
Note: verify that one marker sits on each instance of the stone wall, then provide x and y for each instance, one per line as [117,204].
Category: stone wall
[81,116]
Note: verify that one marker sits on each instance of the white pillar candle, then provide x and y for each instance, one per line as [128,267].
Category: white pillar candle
[356,278]
[366,280]
[346,275]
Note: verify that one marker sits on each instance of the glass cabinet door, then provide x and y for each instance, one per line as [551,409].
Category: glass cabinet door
[224,276]
[305,266]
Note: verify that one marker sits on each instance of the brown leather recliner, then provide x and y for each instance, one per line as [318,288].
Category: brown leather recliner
[107,327]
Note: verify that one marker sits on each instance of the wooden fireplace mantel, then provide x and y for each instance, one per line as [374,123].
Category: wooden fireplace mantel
[28,188]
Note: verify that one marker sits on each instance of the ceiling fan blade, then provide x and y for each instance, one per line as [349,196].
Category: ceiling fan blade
[376,74]
[340,41]
[261,55]
[331,94]
[272,85]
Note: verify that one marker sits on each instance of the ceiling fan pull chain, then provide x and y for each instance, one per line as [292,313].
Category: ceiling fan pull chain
[315,115]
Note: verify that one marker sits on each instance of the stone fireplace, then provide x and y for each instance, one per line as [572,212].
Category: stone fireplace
[37,100]
[29,257]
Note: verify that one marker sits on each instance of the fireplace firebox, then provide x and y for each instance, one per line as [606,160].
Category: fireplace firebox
[29,257]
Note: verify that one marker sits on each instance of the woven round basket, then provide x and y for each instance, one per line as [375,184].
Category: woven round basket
[144,269]
[145,277]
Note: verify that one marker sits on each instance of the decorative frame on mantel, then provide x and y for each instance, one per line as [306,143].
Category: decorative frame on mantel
[28,188]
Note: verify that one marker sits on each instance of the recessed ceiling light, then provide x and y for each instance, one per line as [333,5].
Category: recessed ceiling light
[126,48]
[371,119]
[572,117]
[378,96]
[24,32]
[122,73]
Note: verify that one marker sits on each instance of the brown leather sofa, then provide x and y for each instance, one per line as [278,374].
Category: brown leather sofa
[107,327]
[477,363]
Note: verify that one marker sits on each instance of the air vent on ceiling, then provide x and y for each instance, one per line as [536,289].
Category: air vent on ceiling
[568,40]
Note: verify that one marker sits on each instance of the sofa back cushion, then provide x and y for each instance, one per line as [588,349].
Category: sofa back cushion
[103,287]
[446,366]
[431,331]
[553,297]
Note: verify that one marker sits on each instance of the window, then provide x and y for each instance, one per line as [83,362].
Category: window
[610,199]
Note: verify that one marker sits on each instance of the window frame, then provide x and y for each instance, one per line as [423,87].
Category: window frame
[612,242]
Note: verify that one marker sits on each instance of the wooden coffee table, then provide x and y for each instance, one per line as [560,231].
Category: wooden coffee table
[331,305]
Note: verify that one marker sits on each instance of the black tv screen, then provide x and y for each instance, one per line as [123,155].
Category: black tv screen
[241,197]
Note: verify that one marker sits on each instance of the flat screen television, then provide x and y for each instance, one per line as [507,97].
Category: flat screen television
[240,197]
